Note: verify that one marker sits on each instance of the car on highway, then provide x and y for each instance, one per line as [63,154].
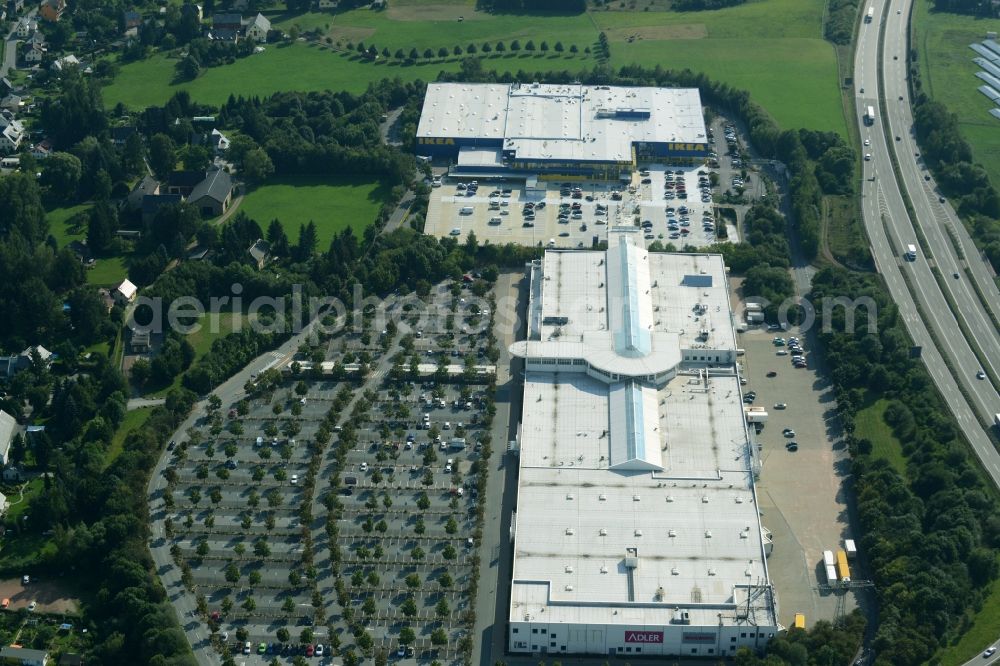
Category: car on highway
[980,375]
[868,142]
[868,157]
[989,652]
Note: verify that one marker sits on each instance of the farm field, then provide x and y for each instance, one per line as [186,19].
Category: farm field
[948,75]
[786,65]
[333,203]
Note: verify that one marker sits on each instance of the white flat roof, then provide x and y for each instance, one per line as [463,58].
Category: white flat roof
[563,121]
[687,513]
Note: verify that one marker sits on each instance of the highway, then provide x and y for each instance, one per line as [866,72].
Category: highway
[937,221]
[890,230]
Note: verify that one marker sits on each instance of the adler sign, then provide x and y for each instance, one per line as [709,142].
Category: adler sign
[643,636]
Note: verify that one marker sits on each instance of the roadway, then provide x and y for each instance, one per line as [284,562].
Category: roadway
[937,221]
[890,230]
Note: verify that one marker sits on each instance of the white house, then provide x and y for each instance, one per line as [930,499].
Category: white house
[26,27]
[23,656]
[258,28]
[125,292]
[220,142]
[8,428]
[66,61]
[34,52]
[11,133]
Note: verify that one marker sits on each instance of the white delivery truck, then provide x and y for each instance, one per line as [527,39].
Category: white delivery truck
[911,253]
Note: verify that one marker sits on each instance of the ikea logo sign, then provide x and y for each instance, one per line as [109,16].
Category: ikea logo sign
[687,147]
[435,141]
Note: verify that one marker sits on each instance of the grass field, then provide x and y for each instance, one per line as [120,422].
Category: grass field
[871,425]
[108,271]
[948,75]
[296,67]
[332,203]
[773,48]
[133,420]
[59,227]
[203,338]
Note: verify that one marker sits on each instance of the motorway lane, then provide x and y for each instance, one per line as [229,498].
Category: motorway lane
[882,197]
[884,193]
[931,215]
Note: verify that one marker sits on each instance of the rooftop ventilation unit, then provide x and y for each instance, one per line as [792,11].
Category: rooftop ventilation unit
[570,531]
[631,558]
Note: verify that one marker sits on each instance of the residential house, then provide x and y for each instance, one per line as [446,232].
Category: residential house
[148,185]
[42,149]
[61,64]
[15,7]
[11,103]
[151,204]
[213,195]
[8,428]
[223,35]
[125,292]
[13,474]
[187,9]
[257,28]
[259,252]
[26,27]
[52,10]
[140,342]
[132,18]
[34,52]
[11,132]
[327,4]
[119,135]
[227,22]
[183,182]
[6,86]
[106,298]
[23,656]
[15,363]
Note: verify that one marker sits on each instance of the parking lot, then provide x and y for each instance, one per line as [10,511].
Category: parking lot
[342,514]
[668,202]
[801,488]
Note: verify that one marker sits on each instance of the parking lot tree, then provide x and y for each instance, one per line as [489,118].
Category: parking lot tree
[419,527]
[209,451]
[451,526]
[409,607]
[283,635]
[274,497]
[288,605]
[232,573]
[194,496]
[280,474]
[368,607]
[357,578]
[260,548]
[442,609]
[449,552]
[386,501]
[276,409]
[413,581]
[382,527]
[301,388]
[264,452]
[253,499]
[241,634]
[214,403]
[373,578]
[306,636]
[249,604]
[439,637]
[215,495]
[367,526]
[189,520]
[201,471]
[365,641]
[236,428]
[417,553]
[254,577]
[202,549]
[378,553]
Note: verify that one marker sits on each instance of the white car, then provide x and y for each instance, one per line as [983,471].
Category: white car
[981,375]
[868,157]
[448,465]
[780,405]
[295,479]
[868,142]
[364,467]
[988,652]
[455,232]
[32,606]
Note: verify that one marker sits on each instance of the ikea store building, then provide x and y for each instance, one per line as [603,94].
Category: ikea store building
[559,130]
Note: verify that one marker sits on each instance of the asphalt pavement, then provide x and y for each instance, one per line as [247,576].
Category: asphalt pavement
[890,230]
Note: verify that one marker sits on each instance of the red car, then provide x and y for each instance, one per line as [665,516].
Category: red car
[310,650]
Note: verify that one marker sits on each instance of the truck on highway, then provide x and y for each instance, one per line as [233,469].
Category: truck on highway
[911,253]
[870,15]
[842,568]
[870,115]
